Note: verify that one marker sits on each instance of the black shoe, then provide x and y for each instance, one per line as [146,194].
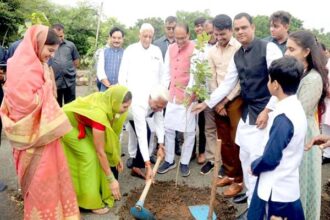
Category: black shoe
[153,159]
[3,186]
[221,172]
[243,216]
[129,163]
[325,160]
[240,198]
[207,168]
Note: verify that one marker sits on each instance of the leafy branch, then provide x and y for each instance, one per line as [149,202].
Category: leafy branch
[200,70]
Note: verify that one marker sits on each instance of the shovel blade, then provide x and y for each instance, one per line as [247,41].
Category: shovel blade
[142,213]
[200,212]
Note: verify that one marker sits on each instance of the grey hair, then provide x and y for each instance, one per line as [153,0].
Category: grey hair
[147,27]
[159,92]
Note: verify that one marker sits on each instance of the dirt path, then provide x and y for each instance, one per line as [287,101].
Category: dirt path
[10,211]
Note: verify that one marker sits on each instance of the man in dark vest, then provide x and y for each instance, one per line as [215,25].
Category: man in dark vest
[250,67]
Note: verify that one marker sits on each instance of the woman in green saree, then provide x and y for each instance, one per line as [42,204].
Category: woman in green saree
[93,146]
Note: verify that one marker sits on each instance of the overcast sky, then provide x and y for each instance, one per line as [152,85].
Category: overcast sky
[314,13]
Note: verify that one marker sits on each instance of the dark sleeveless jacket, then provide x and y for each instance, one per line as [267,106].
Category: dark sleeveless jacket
[252,71]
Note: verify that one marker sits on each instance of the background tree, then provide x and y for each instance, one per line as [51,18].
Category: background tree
[81,22]
[79,25]
[296,24]
[189,17]
[132,36]
[10,17]
[261,23]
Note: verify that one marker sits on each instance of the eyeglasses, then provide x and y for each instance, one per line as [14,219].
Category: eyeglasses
[170,28]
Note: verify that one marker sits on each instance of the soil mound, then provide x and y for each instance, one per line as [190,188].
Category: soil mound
[168,202]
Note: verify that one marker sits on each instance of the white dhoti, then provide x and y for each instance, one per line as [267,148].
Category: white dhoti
[132,141]
[251,141]
[152,143]
[179,118]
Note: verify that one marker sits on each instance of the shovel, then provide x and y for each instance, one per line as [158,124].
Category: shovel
[138,211]
[203,212]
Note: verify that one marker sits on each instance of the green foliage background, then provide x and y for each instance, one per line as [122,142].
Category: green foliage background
[80,23]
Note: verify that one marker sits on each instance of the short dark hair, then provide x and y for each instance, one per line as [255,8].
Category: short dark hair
[323,47]
[199,21]
[58,27]
[223,22]
[170,19]
[287,71]
[282,16]
[115,29]
[244,15]
[52,38]
[127,97]
[184,26]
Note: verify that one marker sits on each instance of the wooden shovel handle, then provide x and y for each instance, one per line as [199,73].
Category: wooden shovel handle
[149,182]
[214,179]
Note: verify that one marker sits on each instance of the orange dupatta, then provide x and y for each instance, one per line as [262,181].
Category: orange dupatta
[33,122]
[30,114]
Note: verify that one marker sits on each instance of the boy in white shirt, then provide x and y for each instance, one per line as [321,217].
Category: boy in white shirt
[277,189]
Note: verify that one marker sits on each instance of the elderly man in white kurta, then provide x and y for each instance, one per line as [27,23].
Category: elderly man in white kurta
[142,69]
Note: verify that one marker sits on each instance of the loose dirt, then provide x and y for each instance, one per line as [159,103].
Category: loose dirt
[166,202]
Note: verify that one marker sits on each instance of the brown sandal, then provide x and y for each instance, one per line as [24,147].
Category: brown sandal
[137,172]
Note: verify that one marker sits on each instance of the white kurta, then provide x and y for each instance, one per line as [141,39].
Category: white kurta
[140,70]
[179,118]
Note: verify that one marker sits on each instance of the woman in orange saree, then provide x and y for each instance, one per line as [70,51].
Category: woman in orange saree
[33,122]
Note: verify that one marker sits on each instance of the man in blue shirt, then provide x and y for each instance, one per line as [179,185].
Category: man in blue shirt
[110,58]
[12,48]
[64,64]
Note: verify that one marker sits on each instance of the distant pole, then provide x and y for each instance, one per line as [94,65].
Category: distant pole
[98,24]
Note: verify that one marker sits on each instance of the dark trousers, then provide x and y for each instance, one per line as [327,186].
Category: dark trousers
[285,210]
[226,130]
[201,134]
[98,84]
[68,94]
[138,160]
[115,172]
